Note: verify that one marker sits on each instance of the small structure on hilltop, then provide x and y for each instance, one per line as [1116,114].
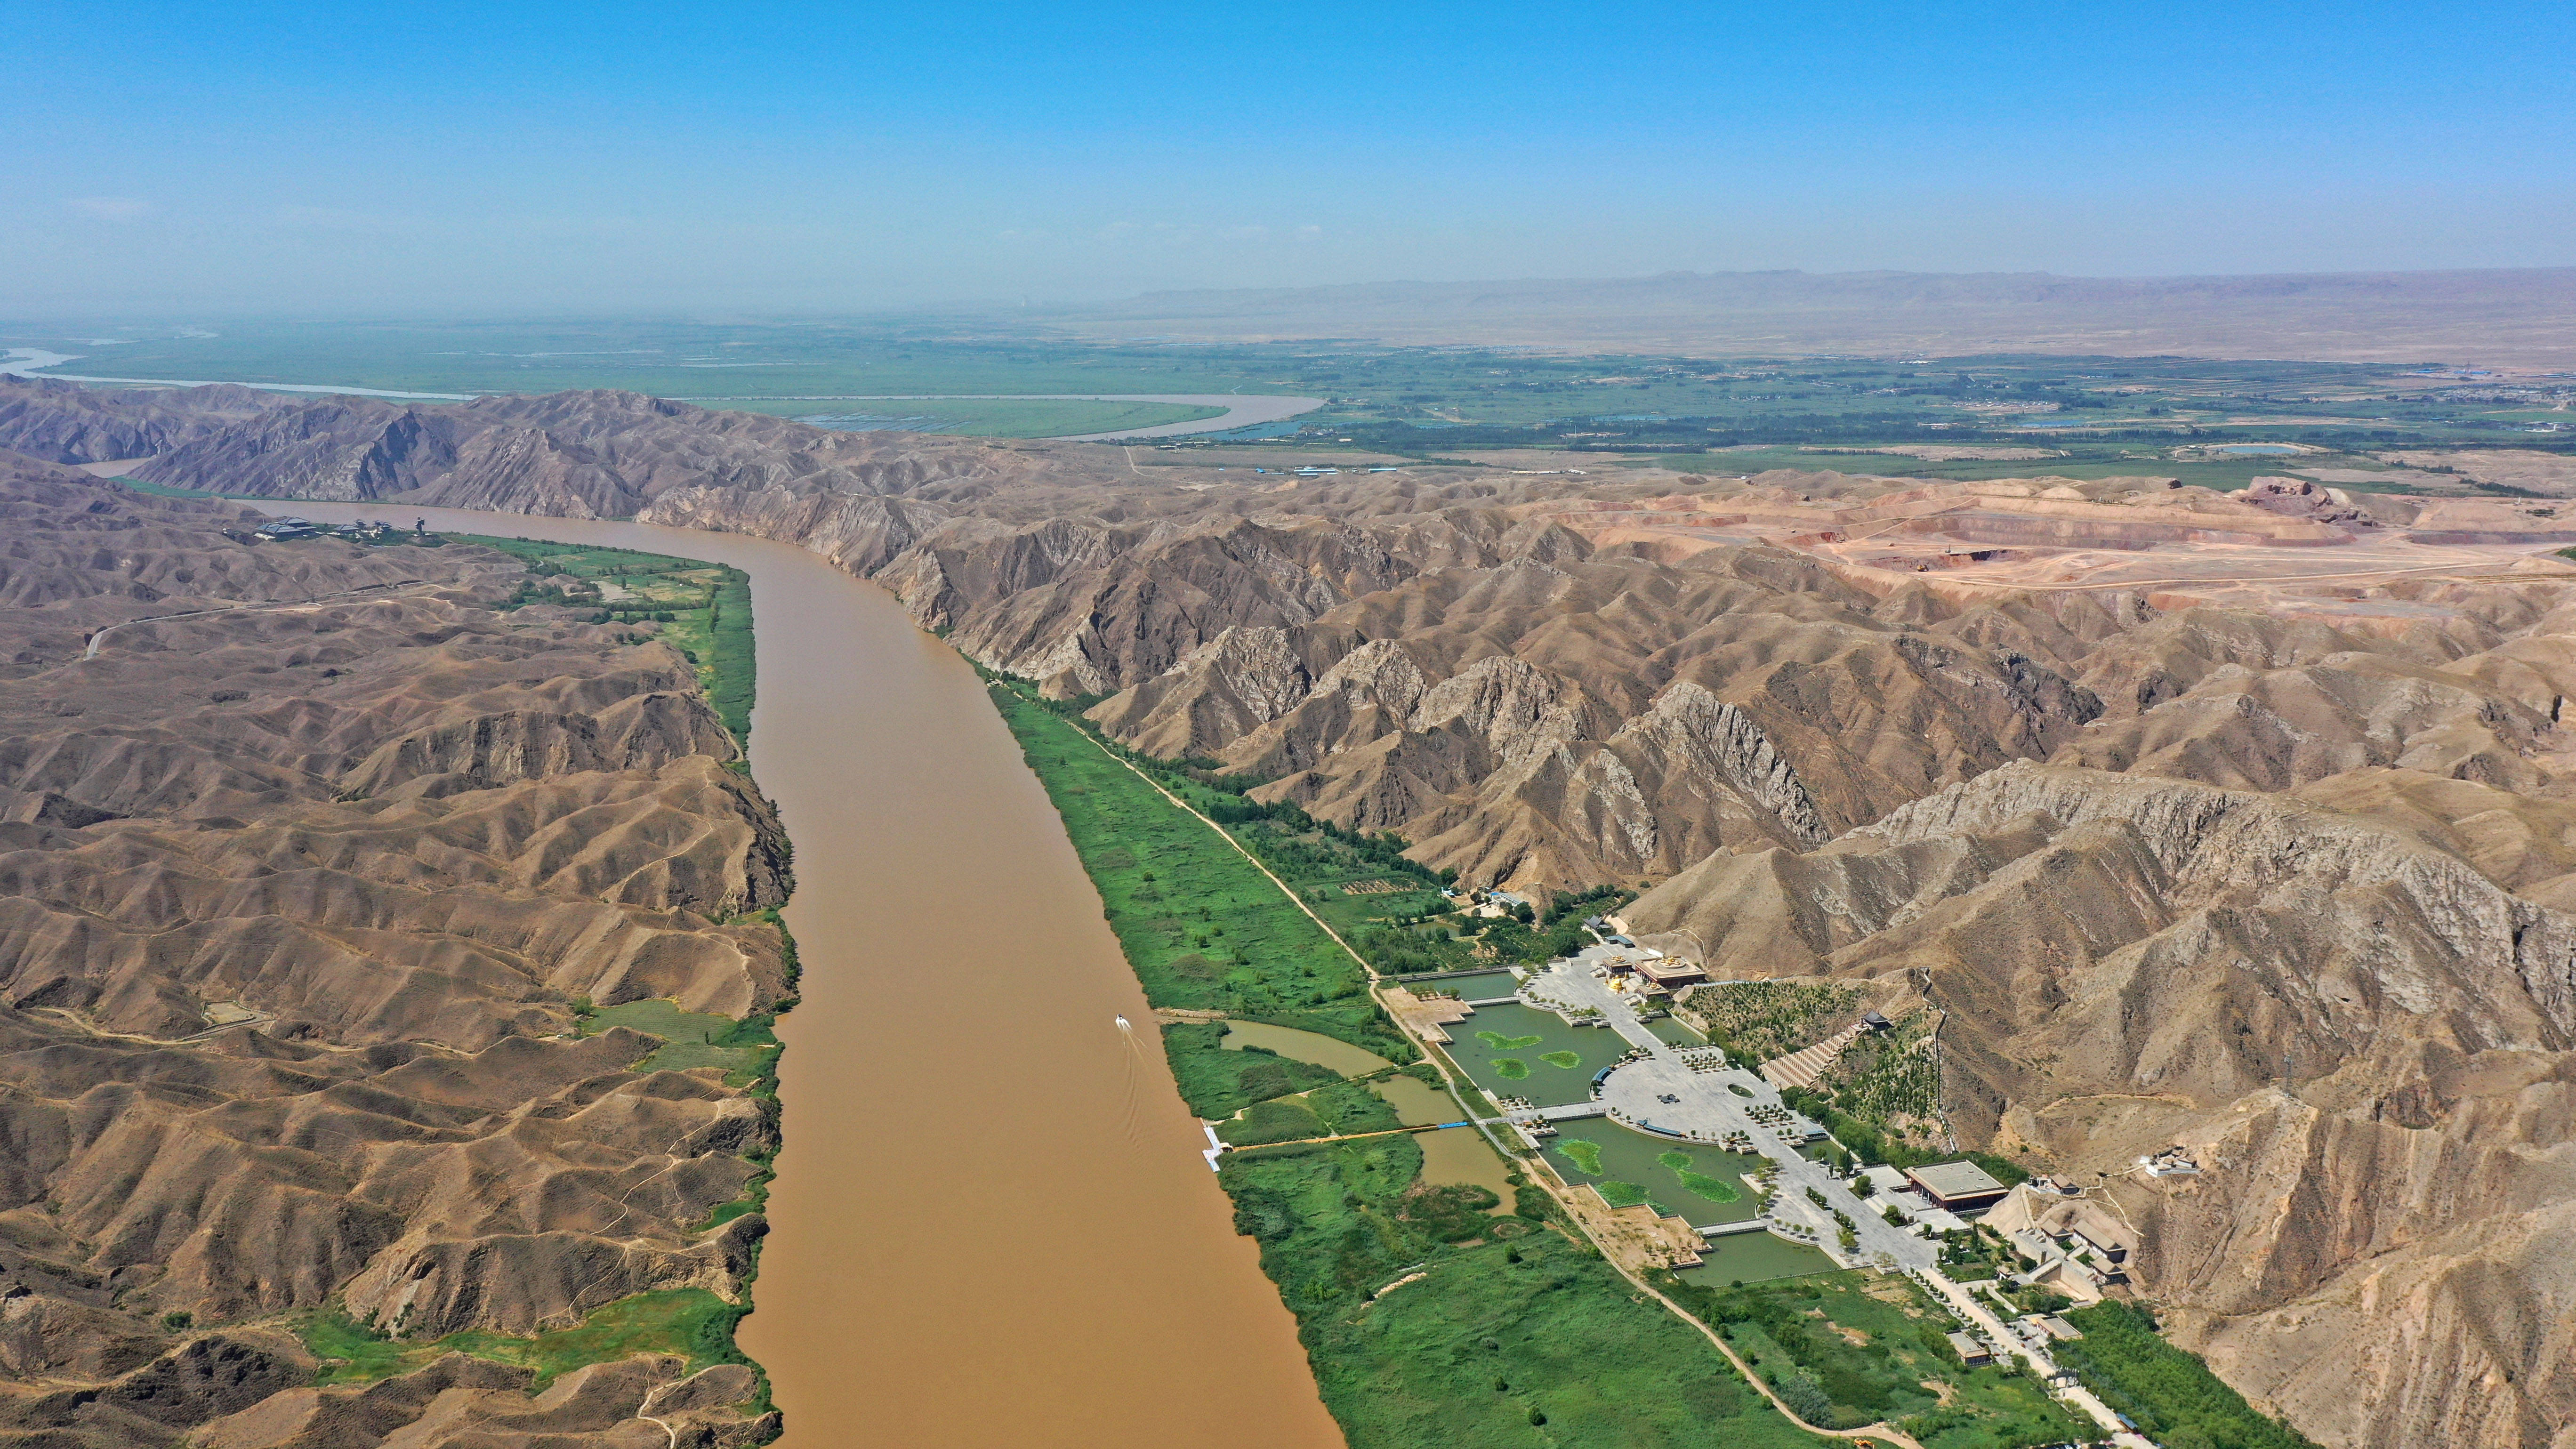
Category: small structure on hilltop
[1956,1186]
[2172,1162]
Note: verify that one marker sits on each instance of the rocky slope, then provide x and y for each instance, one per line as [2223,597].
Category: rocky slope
[2141,848]
[575,455]
[68,423]
[307,856]
[2275,870]
[2366,1041]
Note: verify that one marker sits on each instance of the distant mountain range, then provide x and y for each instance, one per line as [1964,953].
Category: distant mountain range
[2524,318]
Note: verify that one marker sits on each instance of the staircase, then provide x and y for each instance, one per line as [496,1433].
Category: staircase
[1801,1068]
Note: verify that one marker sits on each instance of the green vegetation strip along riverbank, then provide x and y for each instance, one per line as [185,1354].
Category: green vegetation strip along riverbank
[690,1322]
[1514,1334]
[702,609]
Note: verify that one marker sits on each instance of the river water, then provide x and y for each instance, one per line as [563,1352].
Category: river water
[991,1224]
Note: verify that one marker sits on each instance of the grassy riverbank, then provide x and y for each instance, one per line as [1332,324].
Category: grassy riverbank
[1514,1333]
[1203,927]
[690,1322]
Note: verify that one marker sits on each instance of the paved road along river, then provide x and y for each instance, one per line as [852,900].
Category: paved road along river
[991,1224]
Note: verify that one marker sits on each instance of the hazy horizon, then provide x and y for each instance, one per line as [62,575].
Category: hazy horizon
[480,160]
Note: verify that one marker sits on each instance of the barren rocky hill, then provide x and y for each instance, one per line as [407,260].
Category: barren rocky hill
[69,423]
[575,455]
[308,856]
[2366,1041]
[2149,789]
[2142,843]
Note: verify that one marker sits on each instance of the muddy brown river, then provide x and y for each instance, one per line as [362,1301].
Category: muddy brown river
[991,1224]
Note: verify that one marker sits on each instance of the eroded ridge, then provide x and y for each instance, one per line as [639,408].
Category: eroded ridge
[313,874]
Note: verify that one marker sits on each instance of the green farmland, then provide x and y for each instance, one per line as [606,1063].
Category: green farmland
[968,417]
[2121,414]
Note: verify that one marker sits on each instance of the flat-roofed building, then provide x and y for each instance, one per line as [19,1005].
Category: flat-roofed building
[1669,972]
[1957,1186]
[1972,1350]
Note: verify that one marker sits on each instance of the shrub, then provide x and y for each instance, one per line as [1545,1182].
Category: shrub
[1452,1213]
[1805,1397]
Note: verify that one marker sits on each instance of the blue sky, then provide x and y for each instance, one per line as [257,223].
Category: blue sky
[484,159]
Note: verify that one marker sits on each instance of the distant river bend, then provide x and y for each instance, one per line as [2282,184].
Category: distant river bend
[991,1223]
[1241,410]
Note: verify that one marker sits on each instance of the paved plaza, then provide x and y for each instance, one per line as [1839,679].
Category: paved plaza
[1703,1109]
[1662,1093]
